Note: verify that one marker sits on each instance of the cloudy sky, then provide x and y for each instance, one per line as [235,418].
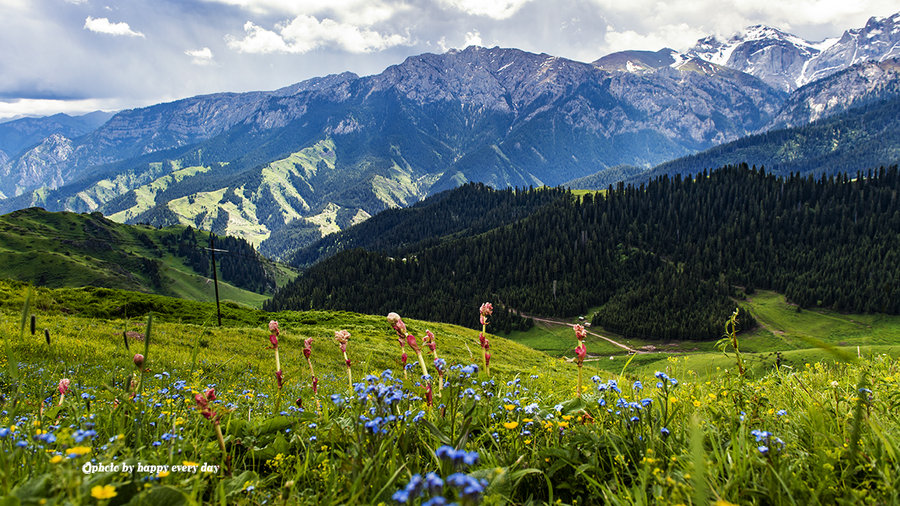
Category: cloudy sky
[81,55]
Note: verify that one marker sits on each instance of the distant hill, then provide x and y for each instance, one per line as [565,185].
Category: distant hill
[465,211]
[661,260]
[601,180]
[73,250]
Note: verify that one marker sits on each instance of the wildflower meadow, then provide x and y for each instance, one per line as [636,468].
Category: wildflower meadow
[325,408]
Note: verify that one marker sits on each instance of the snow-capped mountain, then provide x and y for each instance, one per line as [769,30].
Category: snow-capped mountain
[787,62]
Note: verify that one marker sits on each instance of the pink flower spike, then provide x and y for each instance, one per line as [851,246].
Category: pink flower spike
[430,341]
[273,327]
[63,386]
[138,360]
[487,309]
[397,323]
[580,333]
[342,336]
[487,359]
[307,347]
[201,401]
[210,394]
[315,385]
[403,358]
[274,340]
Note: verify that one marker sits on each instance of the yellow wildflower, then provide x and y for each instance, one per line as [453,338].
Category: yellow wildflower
[510,425]
[56,459]
[78,450]
[104,492]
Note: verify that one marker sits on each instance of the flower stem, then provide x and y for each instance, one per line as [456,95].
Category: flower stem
[422,363]
[349,374]
[579,379]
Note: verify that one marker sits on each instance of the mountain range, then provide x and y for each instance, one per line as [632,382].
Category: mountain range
[284,168]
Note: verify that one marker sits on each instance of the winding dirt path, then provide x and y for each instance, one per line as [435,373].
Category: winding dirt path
[611,341]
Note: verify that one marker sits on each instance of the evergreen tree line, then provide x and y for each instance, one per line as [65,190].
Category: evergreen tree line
[241,266]
[661,259]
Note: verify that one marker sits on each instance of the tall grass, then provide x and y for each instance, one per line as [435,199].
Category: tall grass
[821,433]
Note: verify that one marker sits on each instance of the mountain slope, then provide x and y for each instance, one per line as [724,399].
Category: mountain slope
[863,138]
[466,211]
[856,86]
[67,249]
[316,157]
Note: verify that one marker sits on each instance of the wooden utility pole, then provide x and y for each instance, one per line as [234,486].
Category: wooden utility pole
[212,252]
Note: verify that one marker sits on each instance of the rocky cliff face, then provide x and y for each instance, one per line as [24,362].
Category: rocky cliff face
[856,86]
[43,166]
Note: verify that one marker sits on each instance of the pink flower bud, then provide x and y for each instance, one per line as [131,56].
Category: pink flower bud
[210,394]
[428,395]
[138,360]
[279,376]
[201,401]
[487,358]
[411,341]
[273,327]
[580,353]
[307,347]
[348,363]
[274,340]
[63,386]
[315,385]
[403,358]
[396,323]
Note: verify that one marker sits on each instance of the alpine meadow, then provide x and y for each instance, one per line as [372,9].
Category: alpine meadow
[471,275]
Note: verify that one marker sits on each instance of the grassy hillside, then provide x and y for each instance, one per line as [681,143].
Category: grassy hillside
[205,410]
[86,328]
[783,335]
[70,250]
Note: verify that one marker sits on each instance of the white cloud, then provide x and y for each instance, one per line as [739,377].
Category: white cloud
[675,36]
[306,33]
[103,25]
[473,38]
[366,12]
[495,9]
[203,56]
[43,107]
